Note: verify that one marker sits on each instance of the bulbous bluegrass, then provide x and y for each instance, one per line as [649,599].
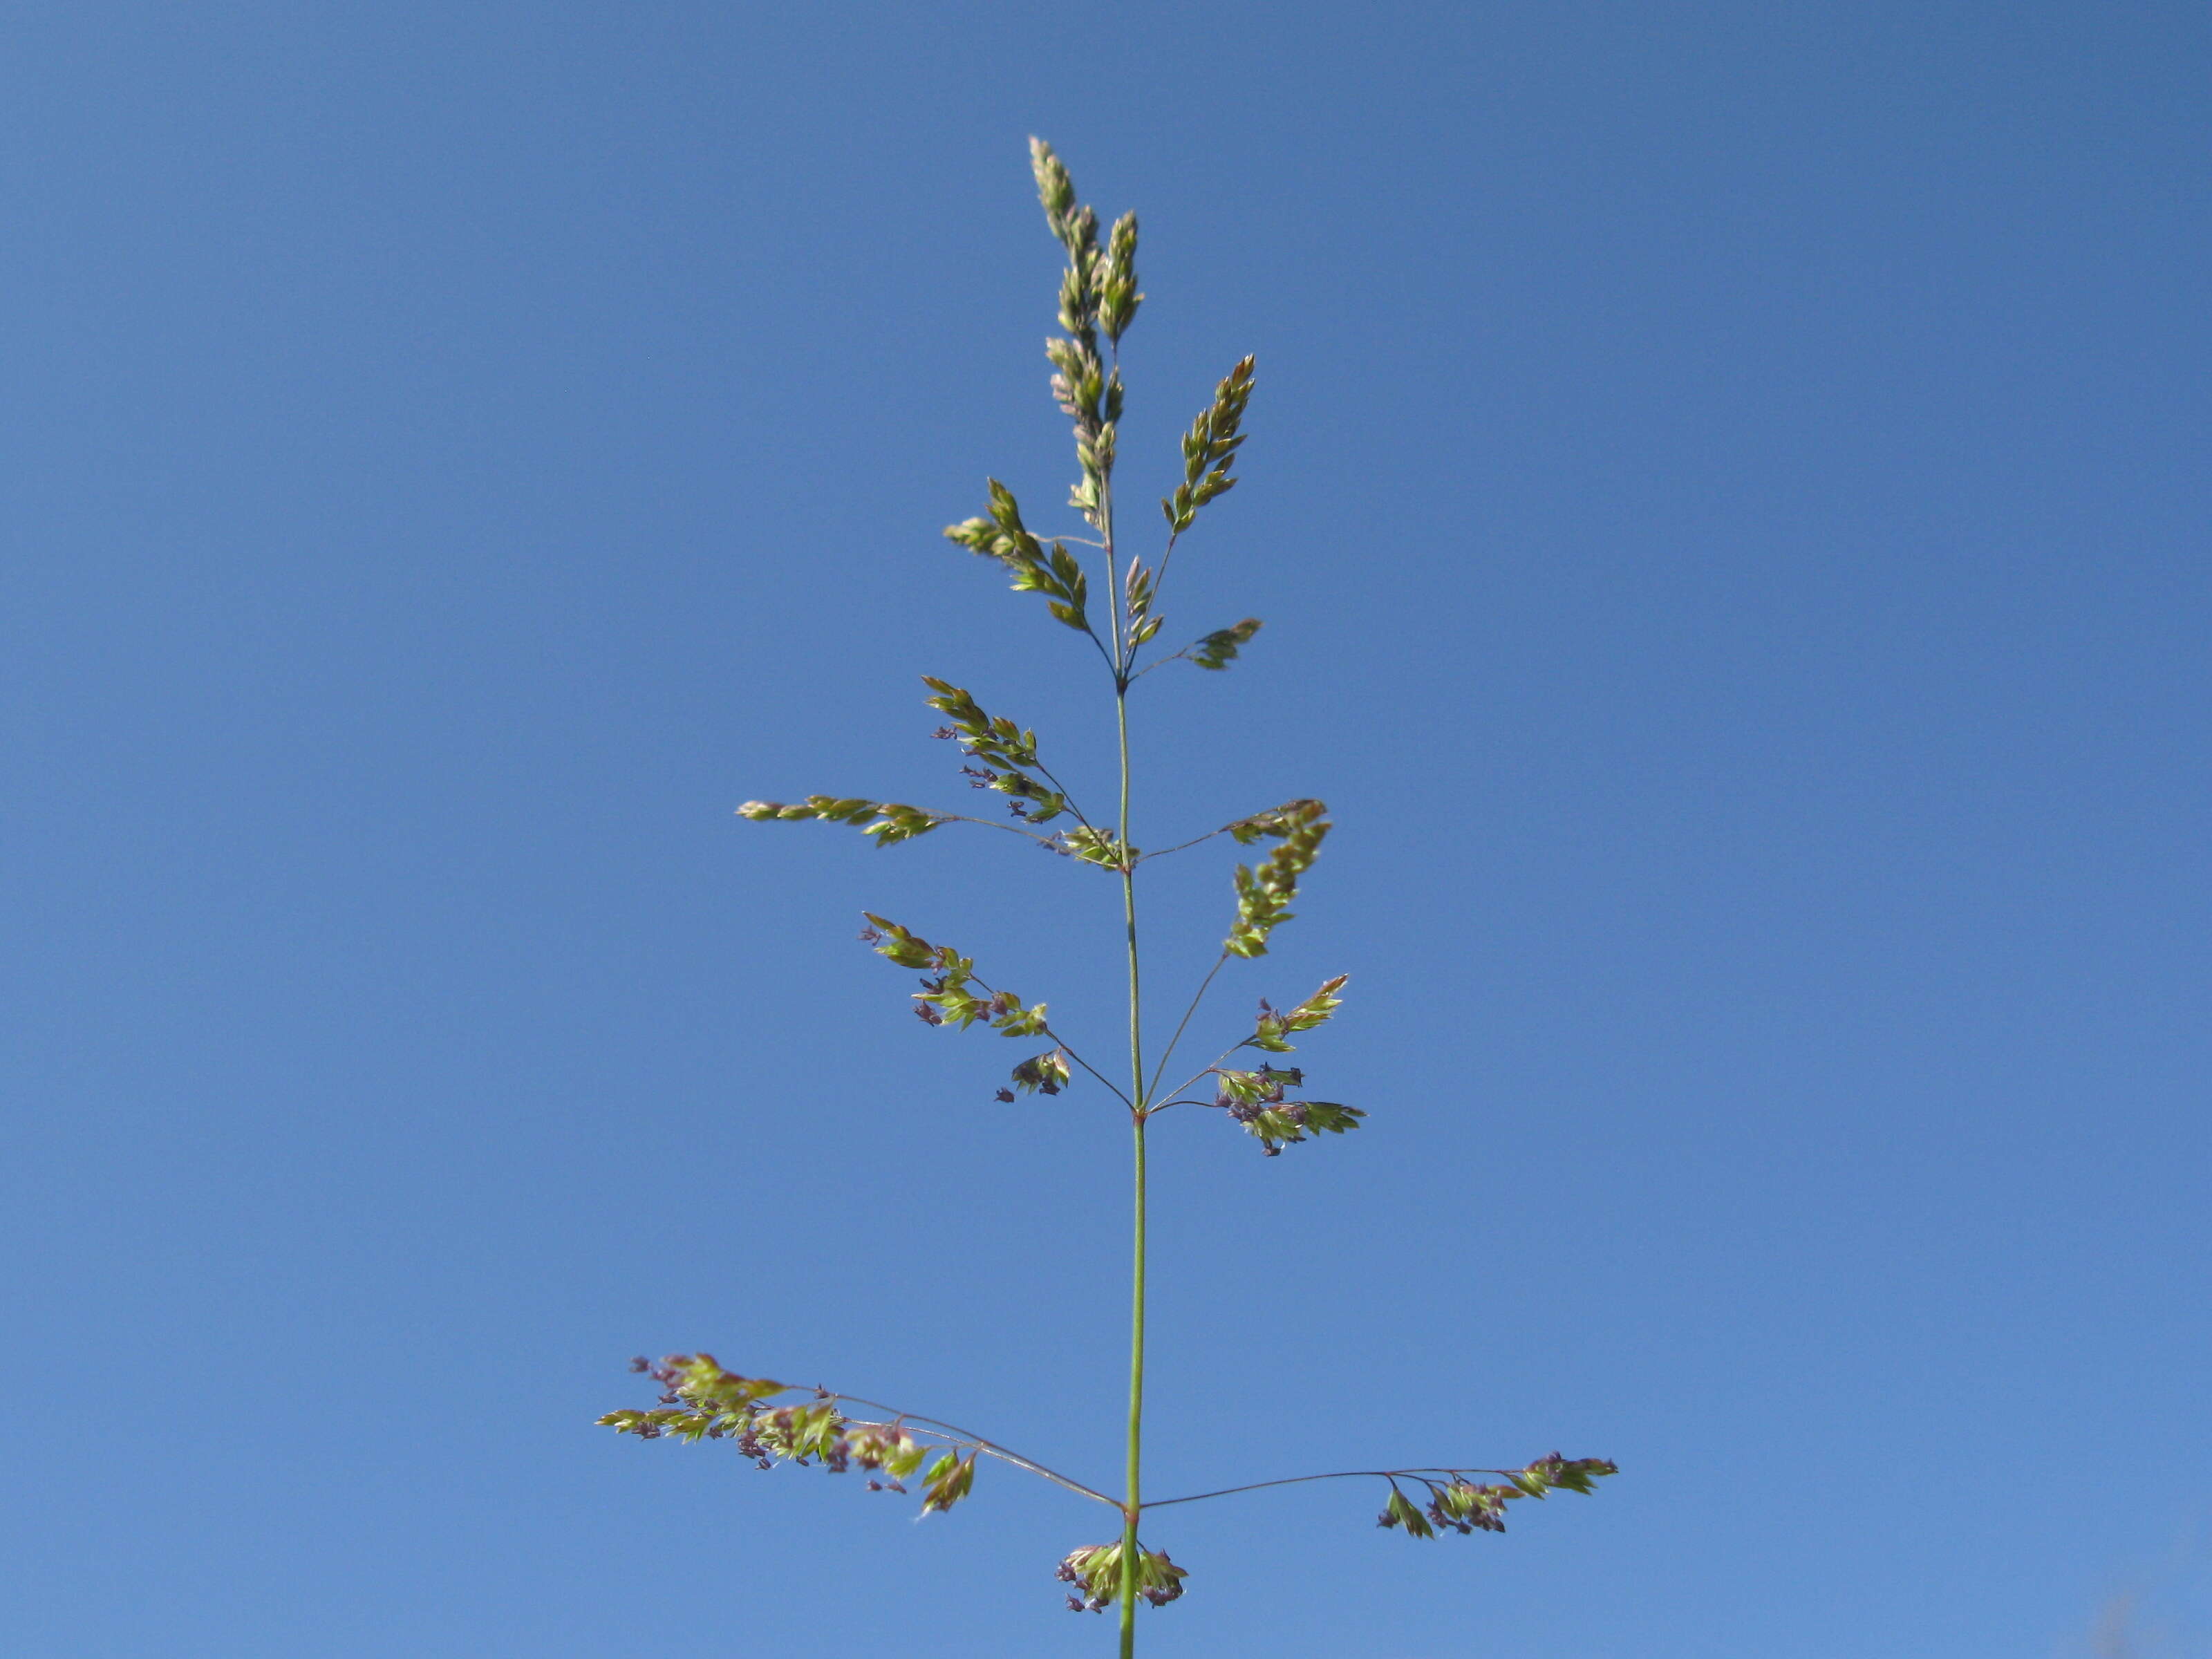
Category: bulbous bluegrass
[771,1423]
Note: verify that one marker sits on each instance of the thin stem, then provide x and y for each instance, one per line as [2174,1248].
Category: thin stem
[1104,657]
[1194,840]
[1185,1023]
[1064,795]
[1064,1048]
[1160,581]
[1159,591]
[991,1448]
[1337,1474]
[992,823]
[1129,1547]
[1115,1087]
[1134,1500]
[1205,1070]
[1189,1100]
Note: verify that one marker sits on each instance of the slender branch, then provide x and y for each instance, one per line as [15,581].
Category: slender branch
[1160,581]
[1115,1087]
[1092,635]
[1194,840]
[1204,1071]
[1337,1474]
[1064,795]
[1210,834]
[1184,1023]
[1064,1048]
[1180,656]
[1159,591]
[990,1447]
[992,823]
[1188,1100]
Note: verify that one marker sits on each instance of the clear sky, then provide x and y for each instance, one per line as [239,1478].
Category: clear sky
[1728,497]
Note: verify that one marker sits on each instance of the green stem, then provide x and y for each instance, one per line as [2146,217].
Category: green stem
[1134,1500]
[1129,1562]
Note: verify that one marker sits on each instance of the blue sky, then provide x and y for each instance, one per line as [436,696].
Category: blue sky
[1727,496]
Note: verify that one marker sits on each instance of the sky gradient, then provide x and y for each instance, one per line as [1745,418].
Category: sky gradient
[1727,495]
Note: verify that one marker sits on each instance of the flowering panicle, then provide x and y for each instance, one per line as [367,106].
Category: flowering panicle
[1459,1505]
[771,1423]
[699,1400]
[1095,1572]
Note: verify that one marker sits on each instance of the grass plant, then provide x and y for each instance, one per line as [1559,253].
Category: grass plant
[770,1422]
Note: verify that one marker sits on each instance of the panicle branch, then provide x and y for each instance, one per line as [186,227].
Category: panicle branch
[1001,744]
[950,998]
[700,1400]
[1455,1501]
